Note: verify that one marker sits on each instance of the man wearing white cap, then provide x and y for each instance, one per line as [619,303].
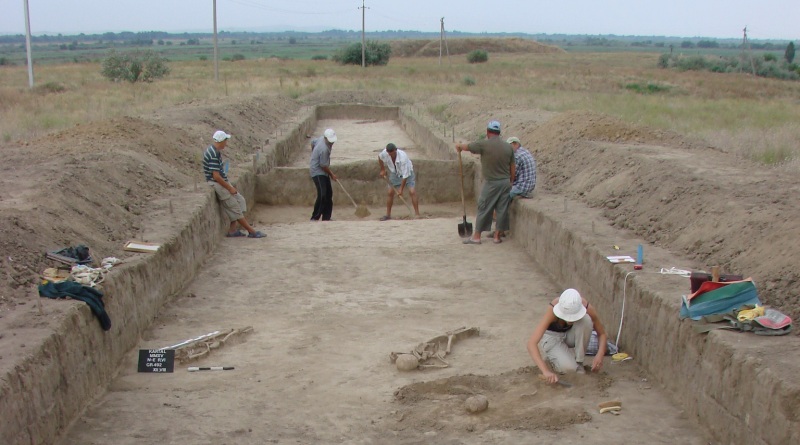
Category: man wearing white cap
[322,176]
[232,201]
[497,168]
[566,325]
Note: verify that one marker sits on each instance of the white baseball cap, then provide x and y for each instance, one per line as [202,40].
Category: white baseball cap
[570,306]
[220,136]
[513,139]
[330,135]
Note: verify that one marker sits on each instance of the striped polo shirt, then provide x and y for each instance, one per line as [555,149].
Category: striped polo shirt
[212,161]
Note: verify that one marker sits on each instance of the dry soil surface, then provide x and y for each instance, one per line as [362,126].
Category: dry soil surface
[316,367]
[328,303]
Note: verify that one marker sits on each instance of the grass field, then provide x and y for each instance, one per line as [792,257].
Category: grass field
[176,50]
[756,117]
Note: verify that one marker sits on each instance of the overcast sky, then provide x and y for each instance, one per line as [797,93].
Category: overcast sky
[765,19]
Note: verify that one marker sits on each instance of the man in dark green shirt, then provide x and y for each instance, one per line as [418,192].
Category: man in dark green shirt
[497,168]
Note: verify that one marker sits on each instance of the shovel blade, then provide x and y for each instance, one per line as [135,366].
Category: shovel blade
[465,229]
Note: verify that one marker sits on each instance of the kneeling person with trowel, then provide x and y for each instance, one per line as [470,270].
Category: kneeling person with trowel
[566,325]
[401,175]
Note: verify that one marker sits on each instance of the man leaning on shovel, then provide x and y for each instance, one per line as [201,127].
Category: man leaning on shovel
[497,167]
[401,175]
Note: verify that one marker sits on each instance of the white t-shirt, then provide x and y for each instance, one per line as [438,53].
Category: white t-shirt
[401,166]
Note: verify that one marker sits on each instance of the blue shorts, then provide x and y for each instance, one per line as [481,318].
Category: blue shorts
[397,180]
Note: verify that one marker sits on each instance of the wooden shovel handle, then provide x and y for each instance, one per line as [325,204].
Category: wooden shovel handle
[398,194]
[348,195]
[461,175]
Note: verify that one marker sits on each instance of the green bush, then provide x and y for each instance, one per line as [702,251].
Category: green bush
[319,57]
[134,66]
[478,56]
[788,55]
[50,87]
[775,71]
[468,81]
[649,88]
[203,57]
[692,63]
[236,57]
[375,53]
[767,66]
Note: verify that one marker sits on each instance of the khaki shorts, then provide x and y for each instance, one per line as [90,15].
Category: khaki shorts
[233,205]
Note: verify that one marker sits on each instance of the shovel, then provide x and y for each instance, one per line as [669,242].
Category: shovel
[410,212]
[361,210]
[465,228]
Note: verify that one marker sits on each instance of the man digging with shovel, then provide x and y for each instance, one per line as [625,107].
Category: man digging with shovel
[321,174]
[401,175]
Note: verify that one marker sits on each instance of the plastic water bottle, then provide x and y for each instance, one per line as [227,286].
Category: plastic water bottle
[639,257]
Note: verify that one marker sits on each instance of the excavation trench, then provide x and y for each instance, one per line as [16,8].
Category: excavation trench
[329,301]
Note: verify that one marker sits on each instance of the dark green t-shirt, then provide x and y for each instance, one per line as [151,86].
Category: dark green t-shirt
[496,158]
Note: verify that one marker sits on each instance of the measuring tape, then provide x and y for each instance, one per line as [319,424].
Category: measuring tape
[210,368]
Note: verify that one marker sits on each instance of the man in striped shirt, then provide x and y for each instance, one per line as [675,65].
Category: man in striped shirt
[524,179]
[232,201]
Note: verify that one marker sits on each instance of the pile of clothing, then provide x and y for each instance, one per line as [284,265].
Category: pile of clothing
[732,305]
[80,282]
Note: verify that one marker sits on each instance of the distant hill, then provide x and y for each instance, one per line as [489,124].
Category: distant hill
[432,48]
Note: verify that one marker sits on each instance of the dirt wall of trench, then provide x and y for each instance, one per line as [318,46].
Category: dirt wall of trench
[78,360]
[292,185]
[737,388]
[740,393]
[442,148]
[51,385]
[437,173]
[356,111]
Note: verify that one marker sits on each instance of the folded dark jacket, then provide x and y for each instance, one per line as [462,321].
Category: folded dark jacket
[77,291]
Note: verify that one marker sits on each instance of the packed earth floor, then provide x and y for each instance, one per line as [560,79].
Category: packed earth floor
[328,302]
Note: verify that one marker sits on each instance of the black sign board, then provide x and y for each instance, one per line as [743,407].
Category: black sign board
[156,360]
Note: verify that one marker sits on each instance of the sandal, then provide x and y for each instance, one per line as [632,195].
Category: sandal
[236,234]
[470,241]
[257,234]
[385,218]
[497,241]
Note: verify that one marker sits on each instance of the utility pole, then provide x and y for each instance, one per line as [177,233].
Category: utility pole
[216,51]
[28,44]
[442,37]
[746,47]
[363,41]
